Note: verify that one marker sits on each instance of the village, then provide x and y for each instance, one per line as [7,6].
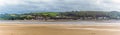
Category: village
[73,15]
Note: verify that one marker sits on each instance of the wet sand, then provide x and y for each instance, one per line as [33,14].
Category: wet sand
[57,29]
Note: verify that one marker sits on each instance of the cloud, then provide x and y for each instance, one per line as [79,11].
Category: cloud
[24,6]
[10,2]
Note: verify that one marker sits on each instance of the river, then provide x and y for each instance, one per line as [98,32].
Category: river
[86,22]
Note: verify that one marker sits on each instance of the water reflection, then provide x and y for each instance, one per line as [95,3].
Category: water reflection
[59,22]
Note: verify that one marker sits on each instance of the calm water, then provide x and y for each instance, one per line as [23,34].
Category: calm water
[60,22]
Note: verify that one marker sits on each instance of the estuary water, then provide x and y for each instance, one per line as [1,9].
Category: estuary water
[87,22]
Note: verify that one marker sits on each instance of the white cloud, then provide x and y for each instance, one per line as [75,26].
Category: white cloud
[58,5]
[41,0]
[10,2]
[112,5]
[115,1]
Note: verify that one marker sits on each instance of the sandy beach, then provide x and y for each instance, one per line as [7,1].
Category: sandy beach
[57,29]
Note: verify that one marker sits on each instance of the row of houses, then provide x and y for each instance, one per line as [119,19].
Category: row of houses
[76,18]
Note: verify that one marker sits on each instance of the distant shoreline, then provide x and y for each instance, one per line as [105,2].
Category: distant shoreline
[79,22]
[58,20]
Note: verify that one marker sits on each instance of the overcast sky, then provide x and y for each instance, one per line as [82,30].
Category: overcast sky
[23,6]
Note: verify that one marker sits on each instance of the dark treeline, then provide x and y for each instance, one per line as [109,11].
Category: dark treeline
[74,15]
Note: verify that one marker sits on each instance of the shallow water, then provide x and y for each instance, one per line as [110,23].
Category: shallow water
[116,22]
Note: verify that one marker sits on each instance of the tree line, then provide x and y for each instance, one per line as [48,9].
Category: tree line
[75,15]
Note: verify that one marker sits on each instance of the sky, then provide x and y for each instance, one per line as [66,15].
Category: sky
[25,6]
